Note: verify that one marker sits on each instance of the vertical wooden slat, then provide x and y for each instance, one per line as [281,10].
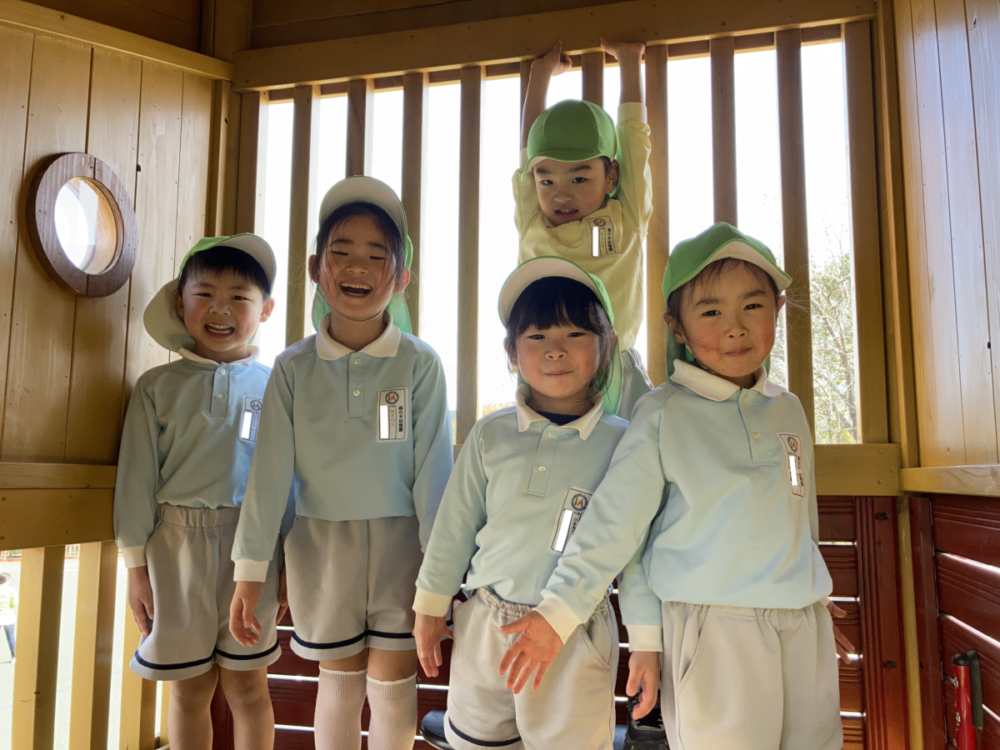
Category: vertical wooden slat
[38,618]
[414,177]
[658,235]
[137,727]
[360,125]
[233,123]
[163,731]
[252,171]
[525,75]
[874,417]
[593,77]
[793,210]
[221,93]
[724,128]
[92,645]
[301,215]
[197,127]
[468,251]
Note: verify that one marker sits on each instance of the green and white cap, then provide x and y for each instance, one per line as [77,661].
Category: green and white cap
[363,189]
[163,323]
[690,257]
[572,130]
[548,266]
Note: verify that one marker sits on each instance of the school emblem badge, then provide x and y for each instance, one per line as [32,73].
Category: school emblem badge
[574,503]
[250,419]
[580,501]
[393,416]
[391,397]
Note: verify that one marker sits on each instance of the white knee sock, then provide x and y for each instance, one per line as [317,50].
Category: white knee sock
[339,701]
[394,714]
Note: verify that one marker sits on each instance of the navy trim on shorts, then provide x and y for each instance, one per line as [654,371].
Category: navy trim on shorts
[199,662]
[381,634]
[247,657]
[349,641]
[481,743]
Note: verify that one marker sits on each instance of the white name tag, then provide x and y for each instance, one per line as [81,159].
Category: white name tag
[792,444]
[574,504]
[250,418]
[393,416]
[603,232]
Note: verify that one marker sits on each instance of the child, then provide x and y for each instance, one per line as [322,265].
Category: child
[521,484]
[583,192]
[8,613]
[186,448]
[717,469]
[358,415]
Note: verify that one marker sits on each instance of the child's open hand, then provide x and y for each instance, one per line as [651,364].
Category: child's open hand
[643,671]
[626,50]
[140,598]
[429,631]
[243,624]
[552,62]
[844,646]
[536,648]
[282,597]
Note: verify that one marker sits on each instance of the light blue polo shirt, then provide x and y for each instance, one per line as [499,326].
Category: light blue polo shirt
[188,440]
[519,487]
[364,434]
[721,479]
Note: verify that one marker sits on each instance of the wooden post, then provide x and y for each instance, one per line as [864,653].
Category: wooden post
[137,728]
[252,172]
[302,216]
[658,235]
[525,75]
[360,125]
[724,128]
[593,77]
[793,211]
[414,178]
[468,252]
[163,733]
[222,92]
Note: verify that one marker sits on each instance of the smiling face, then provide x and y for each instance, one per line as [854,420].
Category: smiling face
[728,322]
[569,191]
[559,363]
[221,310]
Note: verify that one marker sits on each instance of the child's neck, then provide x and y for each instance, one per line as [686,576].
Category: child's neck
[356,334]
[575,406]
[224,358]
[745,382]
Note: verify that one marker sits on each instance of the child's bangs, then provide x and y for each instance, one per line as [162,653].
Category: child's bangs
[557,301]
[711,274]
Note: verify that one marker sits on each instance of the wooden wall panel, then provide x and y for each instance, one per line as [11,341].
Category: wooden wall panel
[176,22]
[192,176]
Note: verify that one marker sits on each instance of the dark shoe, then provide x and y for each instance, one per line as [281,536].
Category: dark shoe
[646,733]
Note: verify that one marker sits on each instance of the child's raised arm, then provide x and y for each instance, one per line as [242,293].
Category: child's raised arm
[552,63]
[629,56]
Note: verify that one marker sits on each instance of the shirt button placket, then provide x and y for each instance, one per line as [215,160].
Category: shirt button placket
[356,387]
[542,468]
[220,392]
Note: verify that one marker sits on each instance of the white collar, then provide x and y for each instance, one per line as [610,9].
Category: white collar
[246,362]
[386,345]
[715,388]
[584,424]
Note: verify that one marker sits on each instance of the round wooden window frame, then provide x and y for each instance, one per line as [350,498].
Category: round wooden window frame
[42,193]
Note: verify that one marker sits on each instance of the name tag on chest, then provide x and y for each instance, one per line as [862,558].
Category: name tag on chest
[393,414]
[792,444]
[603,233]
[250,419]
[574,504]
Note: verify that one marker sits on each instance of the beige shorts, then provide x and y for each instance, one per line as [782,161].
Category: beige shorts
[351,585]
[749,679]
[635,382]
[189,559]
[573,708]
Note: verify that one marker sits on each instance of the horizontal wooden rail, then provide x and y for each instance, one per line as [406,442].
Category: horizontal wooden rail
[863,470]
[43,518]
[981,480]
[56,476]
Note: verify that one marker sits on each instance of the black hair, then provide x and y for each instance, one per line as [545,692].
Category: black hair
[394,241]
[4,577]
[711,273]
[220,259]
[558,301]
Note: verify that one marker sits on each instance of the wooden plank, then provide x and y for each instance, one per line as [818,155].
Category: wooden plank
[225,204]
[658,233]
[301,215]
[192,176]
[38,619]
[525,73]
[866,469]
[55,476]
[163,731]
[137,727]
[724,128]
[92,645]
[360,126]
[41,338]
[793,213]
[468,252]
[871,353]
[968,528]
[969,592]
[146,18]
[72,516]
[53,23]
[414,177]
[836,519]
[593,77]
[218,142]
[252,168]
[842,562]
[507,39]
[956,480]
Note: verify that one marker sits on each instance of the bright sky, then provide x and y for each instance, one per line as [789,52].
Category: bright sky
[690,177]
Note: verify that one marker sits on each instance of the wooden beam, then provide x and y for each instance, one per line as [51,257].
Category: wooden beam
[793,211]
[513,38]
[252,172]
[223,156]
[658,234]
[868,469]
[38,619]
[41,518]
[414,177]
[981,480]
[55,476]
[468,251]
[593,77]
[163,731]
[360,126]
[54,23]
[724,128]
[301,215]
[525,71]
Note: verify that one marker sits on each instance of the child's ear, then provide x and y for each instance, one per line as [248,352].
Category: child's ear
[511,355]
[314,268]
[179,303]
[266,311]
[781,303]
[613,174]
[675,328]
[402,281]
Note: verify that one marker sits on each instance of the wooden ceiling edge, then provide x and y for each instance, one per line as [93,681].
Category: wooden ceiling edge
[39,20]
[515,38]
[979,480]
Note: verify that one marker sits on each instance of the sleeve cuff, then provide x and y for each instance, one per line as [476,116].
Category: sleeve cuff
[632,111]
[251,570]
[433,605]
[645,638]
[135,557]
[559,616]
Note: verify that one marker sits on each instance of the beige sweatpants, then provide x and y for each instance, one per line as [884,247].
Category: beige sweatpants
[750,679]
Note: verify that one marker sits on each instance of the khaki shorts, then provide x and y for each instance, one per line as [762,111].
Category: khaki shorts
[573,708]
[189,558]
[749,679]
[635,382]
[351,585]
